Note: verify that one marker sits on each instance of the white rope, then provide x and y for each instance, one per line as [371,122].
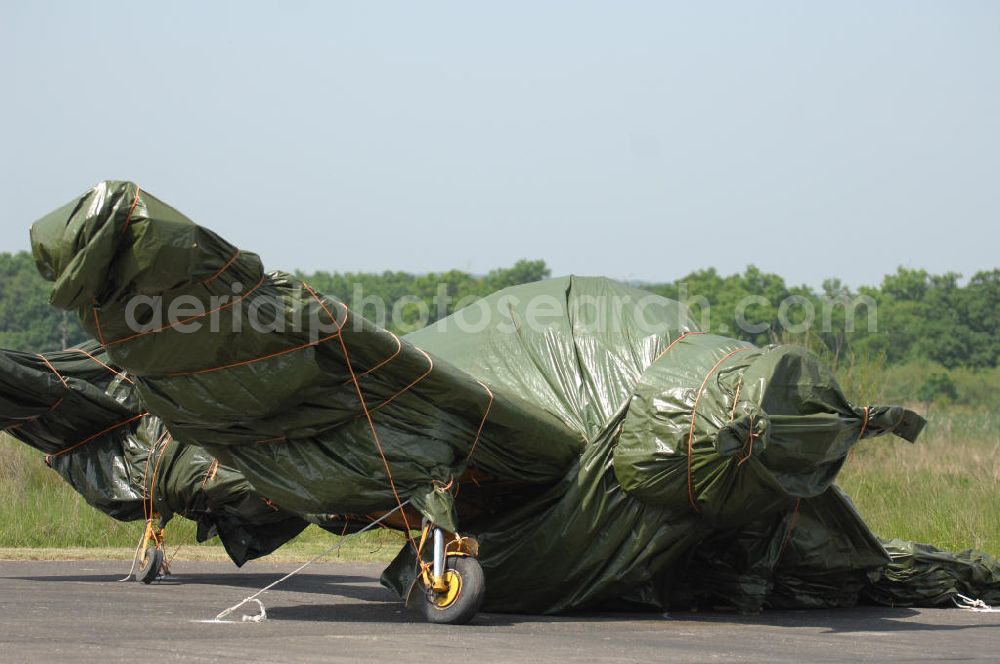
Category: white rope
[969,604]
[260,617]
[135,558]
[253,598]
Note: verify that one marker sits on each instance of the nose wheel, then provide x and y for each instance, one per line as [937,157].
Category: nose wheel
[150,565]
[462,596]
[451,587]
[151,558]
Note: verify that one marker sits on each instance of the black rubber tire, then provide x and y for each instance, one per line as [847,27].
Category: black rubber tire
[149,566]
[470,597]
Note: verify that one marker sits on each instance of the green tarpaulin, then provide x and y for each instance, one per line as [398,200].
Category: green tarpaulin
[601,449]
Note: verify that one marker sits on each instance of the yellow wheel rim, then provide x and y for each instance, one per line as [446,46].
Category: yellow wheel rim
[445,599]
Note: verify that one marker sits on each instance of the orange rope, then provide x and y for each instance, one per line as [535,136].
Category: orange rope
[486,414]
[178,323]
[156,468]
[135,201]
[674,343]
[898,422]
[442,488]
[171,559]
[233,365]
[97,323]
[268,441]
[53,369]
[399,349]
[864,428]
[747,446]
[222,269]
[791,527]
[368,416]
[99,434]
[243,363]
[148,510]
[145,474]
[62,379]
[51,409]
[213,470]
[736,399]
[33,418]
[694,415]
[117,373]
[419,378]
[128,223]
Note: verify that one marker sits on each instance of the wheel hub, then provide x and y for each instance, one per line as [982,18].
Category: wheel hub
[453,587]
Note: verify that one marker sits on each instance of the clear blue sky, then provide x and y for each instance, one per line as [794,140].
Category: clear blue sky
[640,140]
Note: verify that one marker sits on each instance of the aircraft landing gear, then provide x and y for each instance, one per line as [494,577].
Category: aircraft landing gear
[151,558]
[450,589]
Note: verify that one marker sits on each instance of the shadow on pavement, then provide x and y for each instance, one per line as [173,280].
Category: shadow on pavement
[357,587]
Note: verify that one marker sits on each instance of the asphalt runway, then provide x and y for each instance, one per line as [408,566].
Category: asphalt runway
[79,612]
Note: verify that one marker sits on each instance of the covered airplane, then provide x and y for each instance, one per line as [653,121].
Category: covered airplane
[560,445]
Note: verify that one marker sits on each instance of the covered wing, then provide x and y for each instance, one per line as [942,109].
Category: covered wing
[84,414]
[276,380]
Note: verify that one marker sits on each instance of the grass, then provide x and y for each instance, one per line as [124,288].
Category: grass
[942,491]
[41,517]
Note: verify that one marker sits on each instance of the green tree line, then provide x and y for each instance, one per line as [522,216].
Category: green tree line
[912,316]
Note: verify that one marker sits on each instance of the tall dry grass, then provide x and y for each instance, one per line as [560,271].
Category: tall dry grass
[943,490]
